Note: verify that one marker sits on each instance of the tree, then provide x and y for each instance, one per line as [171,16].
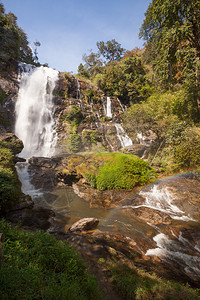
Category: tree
[37,44]
[93,63]
[172,29]
[13,42]
[111,50]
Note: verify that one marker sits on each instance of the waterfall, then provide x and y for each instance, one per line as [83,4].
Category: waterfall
[122,136]
[35,125]
[179,251]
[120,104]
[162,200]
[108,108]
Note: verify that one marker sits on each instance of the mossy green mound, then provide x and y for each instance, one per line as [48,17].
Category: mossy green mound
[120,171]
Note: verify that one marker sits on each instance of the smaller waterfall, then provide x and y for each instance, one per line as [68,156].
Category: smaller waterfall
[34,108]
[78,94]
[120,105]
[161,199]
[108,108]
[24,177]
[122,136]
[141,138]
[177,250]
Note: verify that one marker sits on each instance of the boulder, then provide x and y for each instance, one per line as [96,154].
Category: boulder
[84,224]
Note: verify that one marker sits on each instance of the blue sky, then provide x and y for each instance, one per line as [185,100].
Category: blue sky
[67,29]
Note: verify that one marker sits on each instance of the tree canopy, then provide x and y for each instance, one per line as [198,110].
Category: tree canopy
[111,50]
[13,42]
[172,32]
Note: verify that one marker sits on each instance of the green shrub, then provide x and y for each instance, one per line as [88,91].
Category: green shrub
[90,137]
[75,142]
[122,171]
[9,183]
[74,116]
[37,266]
[2,97]
[187,151]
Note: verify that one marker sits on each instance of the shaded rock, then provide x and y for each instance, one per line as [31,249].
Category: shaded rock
[136,149]
[1,250]
[43,172]
[84,224]
[12,142]
[24,201]
[37,218]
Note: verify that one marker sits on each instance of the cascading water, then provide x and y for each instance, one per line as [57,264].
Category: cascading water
[108,108]
[122,136]
[35,124]
[162,200]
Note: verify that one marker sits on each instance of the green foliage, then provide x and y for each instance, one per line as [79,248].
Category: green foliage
[75,142]
[137,285]
[122,171]
[9,184]
[14,45]
[74,116]
[171,29]
[12,143]
[37,266]
[2,97]
[155,114]
[92,65]
[186,149]
[111,50]
[90,137]
[125,79]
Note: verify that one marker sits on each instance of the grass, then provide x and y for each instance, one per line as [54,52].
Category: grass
[37,266]
[136,284]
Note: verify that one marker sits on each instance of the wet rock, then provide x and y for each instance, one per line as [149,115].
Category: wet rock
[152,216]
[43,172]
[85,224]
[37,218]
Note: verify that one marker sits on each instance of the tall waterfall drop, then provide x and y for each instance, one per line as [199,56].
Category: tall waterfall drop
[35,125]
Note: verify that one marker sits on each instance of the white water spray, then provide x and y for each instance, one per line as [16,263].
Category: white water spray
[108,108]
[122,136]
[35,125]
[177,250]
[161,199]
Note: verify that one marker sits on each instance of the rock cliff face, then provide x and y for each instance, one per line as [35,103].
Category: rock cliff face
[8,95]
[86,118]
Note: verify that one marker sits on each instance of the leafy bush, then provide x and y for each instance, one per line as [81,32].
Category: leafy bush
[9,183]
[122,171]
[75,142]
[37,266]
[2,97]
[90,137]
[74,115]
[187,151]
